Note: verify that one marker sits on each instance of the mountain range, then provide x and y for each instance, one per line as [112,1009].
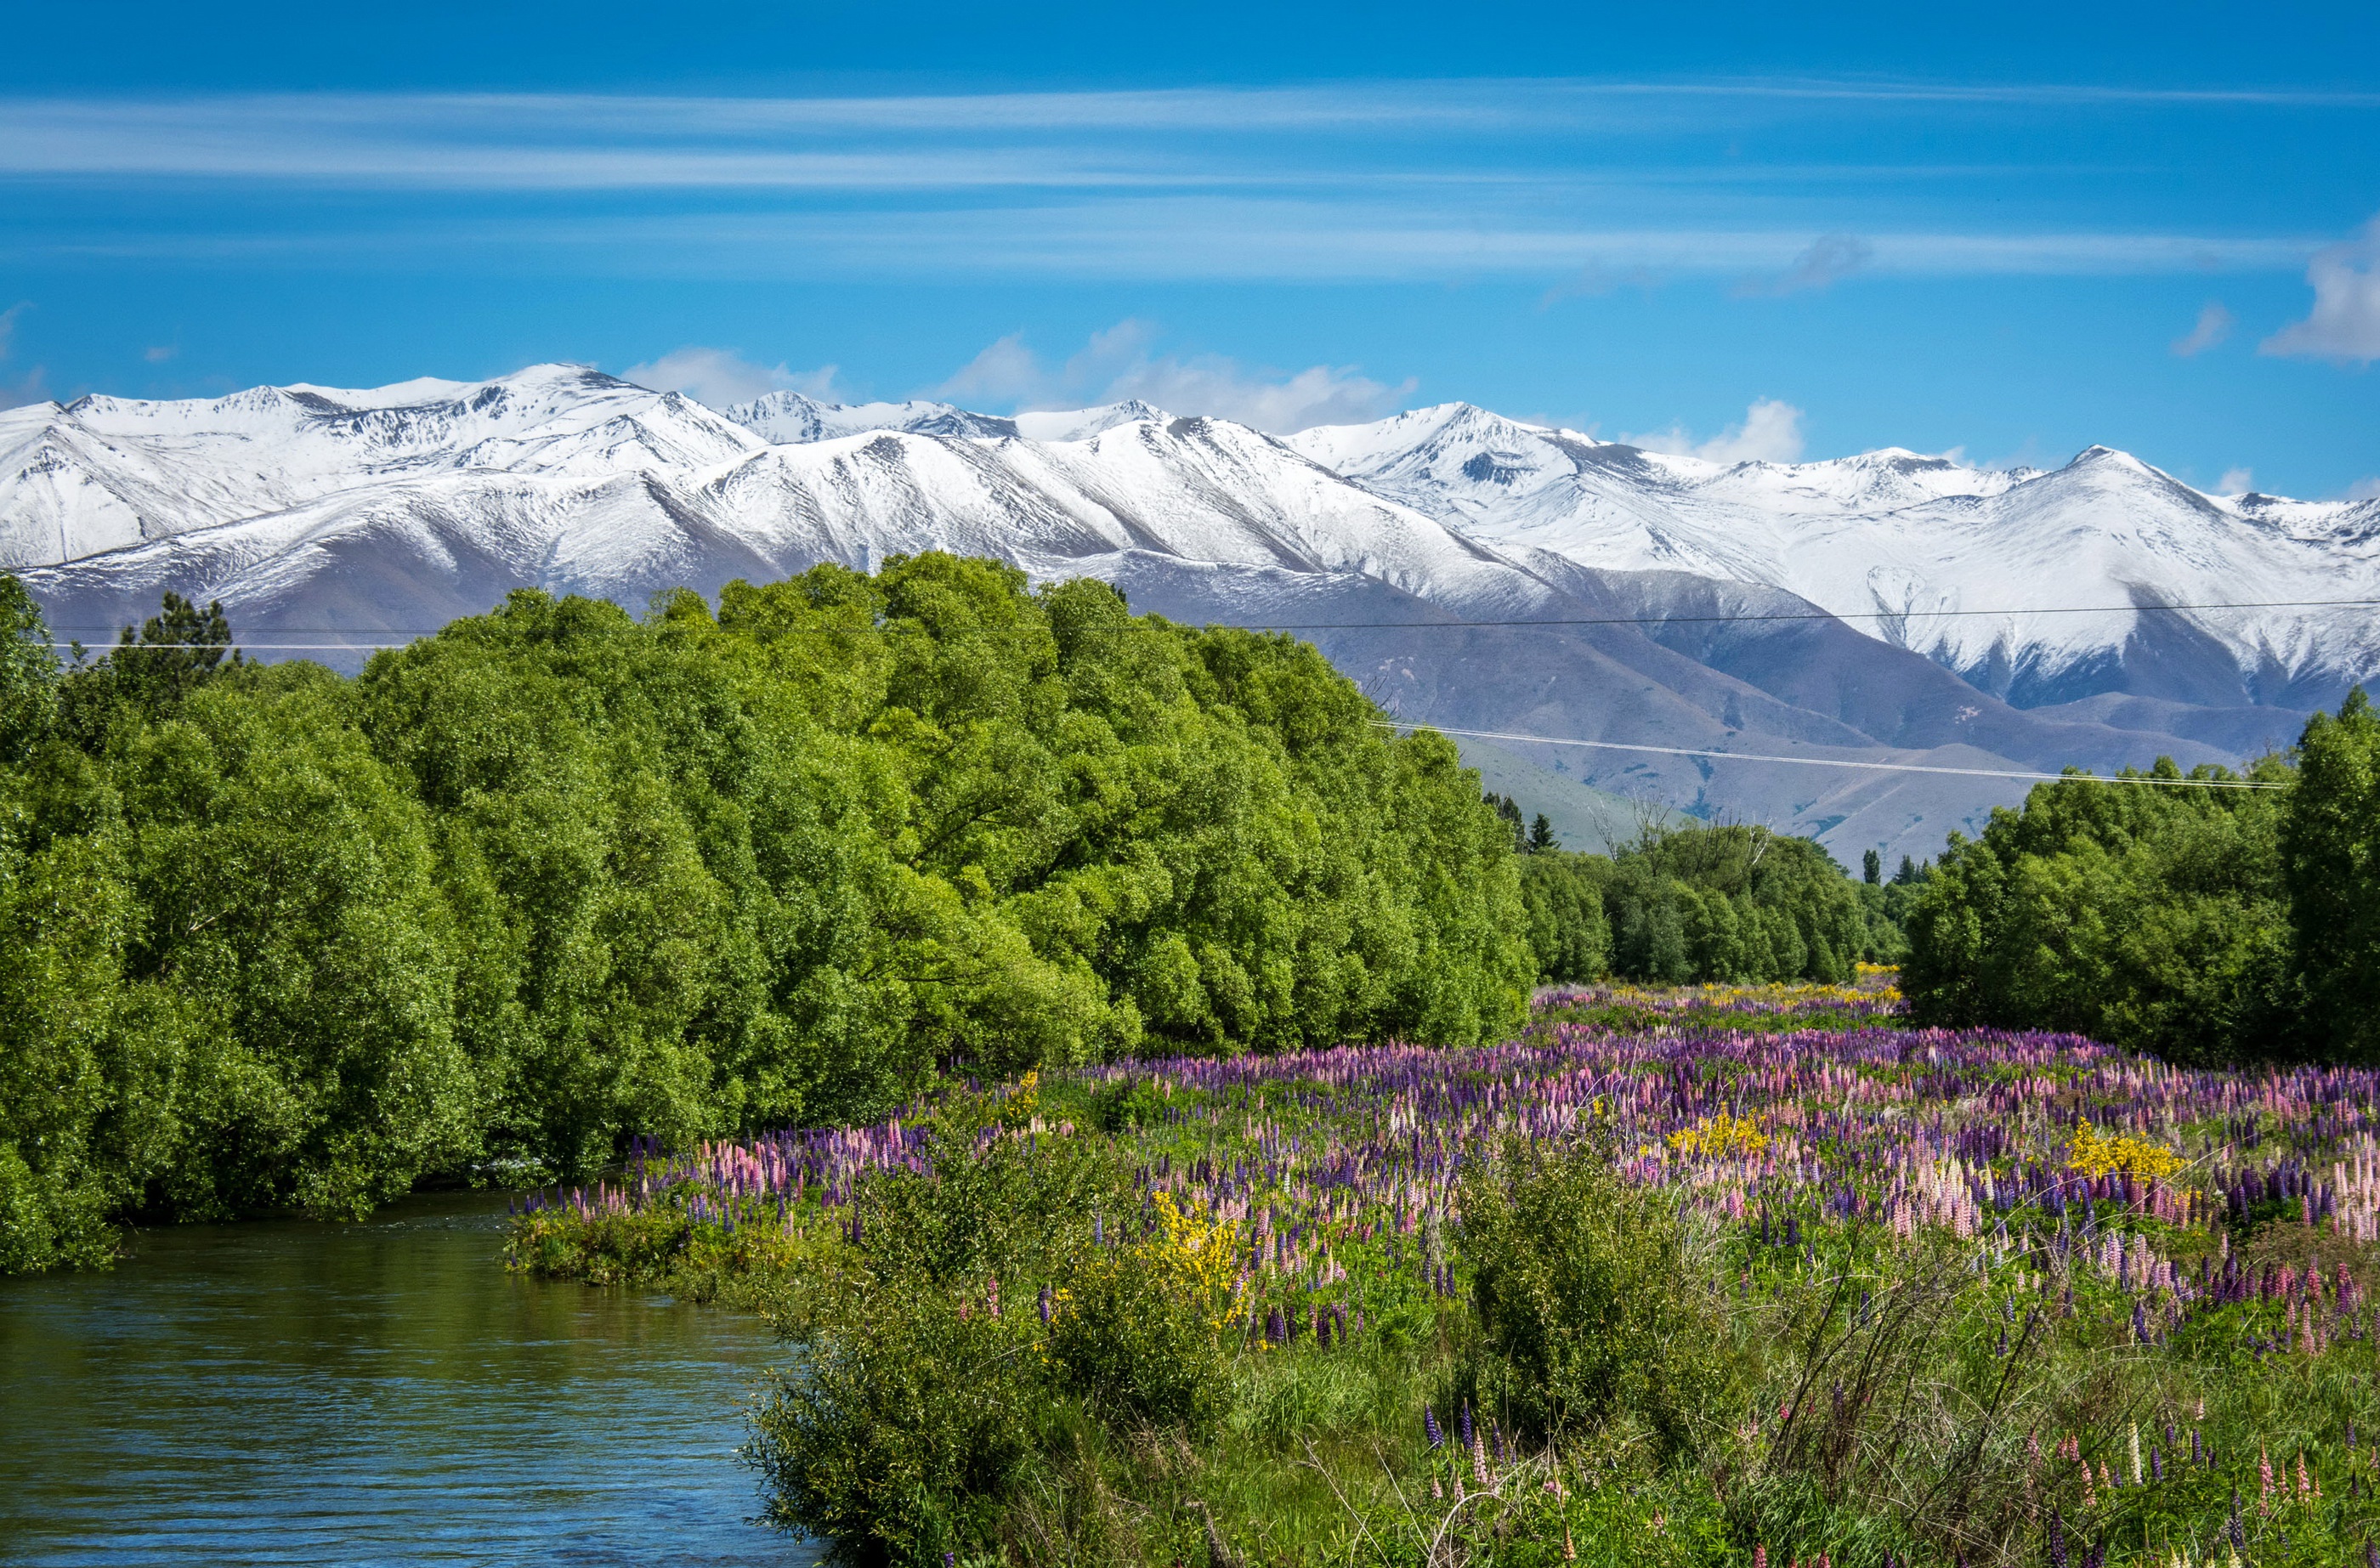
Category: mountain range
[1806,621]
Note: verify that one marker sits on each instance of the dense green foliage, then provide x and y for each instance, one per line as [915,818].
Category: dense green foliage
[2204,923]
[1056,1372]
[1561,898]
[1589,1308]
[2330,867]
[554,877]
[1700,904]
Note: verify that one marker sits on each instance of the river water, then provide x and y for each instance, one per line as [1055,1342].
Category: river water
[384,1393]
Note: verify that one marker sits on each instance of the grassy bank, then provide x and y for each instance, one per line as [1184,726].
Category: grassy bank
[1676,1293]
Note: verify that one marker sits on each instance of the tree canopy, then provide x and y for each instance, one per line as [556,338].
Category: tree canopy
[556,877]
[2207,924]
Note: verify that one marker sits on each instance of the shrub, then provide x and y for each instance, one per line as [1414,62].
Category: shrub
[1589,1307]
[906,1427]
[1137,1330]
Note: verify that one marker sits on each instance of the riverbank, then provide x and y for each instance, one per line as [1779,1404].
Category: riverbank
[1685,1294]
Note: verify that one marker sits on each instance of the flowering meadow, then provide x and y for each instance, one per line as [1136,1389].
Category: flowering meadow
[1763,1277]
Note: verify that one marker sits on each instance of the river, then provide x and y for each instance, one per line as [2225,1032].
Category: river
[384,1393]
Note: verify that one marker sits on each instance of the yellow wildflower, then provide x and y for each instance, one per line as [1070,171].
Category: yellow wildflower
[2100,1154]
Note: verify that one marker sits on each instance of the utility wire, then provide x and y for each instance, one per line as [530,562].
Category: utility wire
[1442,729]
[1433,625]
[1835,761]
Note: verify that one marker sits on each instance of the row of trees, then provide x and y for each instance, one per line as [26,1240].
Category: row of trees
[2206,924]
[1707,903]
[274,937]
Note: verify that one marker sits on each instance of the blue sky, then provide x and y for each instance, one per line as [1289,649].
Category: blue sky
[2009,231]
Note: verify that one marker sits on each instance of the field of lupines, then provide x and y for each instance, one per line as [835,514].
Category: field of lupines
[1976,1296]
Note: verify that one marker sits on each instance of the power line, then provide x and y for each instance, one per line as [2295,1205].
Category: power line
[1836,761]
[242,647]
[1439,625]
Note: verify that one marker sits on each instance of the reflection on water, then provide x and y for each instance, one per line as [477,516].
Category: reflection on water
[384,1393]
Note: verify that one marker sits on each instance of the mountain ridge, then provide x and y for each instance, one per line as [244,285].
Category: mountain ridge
[386,511]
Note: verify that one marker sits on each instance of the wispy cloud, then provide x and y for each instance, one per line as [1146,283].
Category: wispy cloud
[324,133]
[1119,364]
[2345,323]
[1771,433]
[2213,325]
[720,377]
[1829,258]
[1227,237]
[1594,182]
[33,386]
[2235,481]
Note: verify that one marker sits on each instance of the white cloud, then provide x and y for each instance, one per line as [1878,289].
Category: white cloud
[2345,323]
[161,353]
[2235,481]
[2364,488]
[1830,257]
[1771,433]
[1117,365]
[719,377]
[2215,325]
[1318,395]
[33,385]
[1006,371]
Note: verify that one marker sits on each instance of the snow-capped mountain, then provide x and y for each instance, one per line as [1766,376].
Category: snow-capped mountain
[340,516]
[1978,569]
[788,417]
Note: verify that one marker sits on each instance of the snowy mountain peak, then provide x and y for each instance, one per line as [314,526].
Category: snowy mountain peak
[789,419]
[1082,424]
[1421,500]
[1956,587]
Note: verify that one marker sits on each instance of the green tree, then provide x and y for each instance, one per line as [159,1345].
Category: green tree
[1732,902]
[2330,857]
[557,877]
[2150,917]
[28,674]
[1561,896]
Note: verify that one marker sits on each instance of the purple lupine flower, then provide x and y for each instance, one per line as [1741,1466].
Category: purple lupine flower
[1429,1426]
[2156,1465]
[2197,1447]
[2056,1536]
[1047,1304]
[1468,1436]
